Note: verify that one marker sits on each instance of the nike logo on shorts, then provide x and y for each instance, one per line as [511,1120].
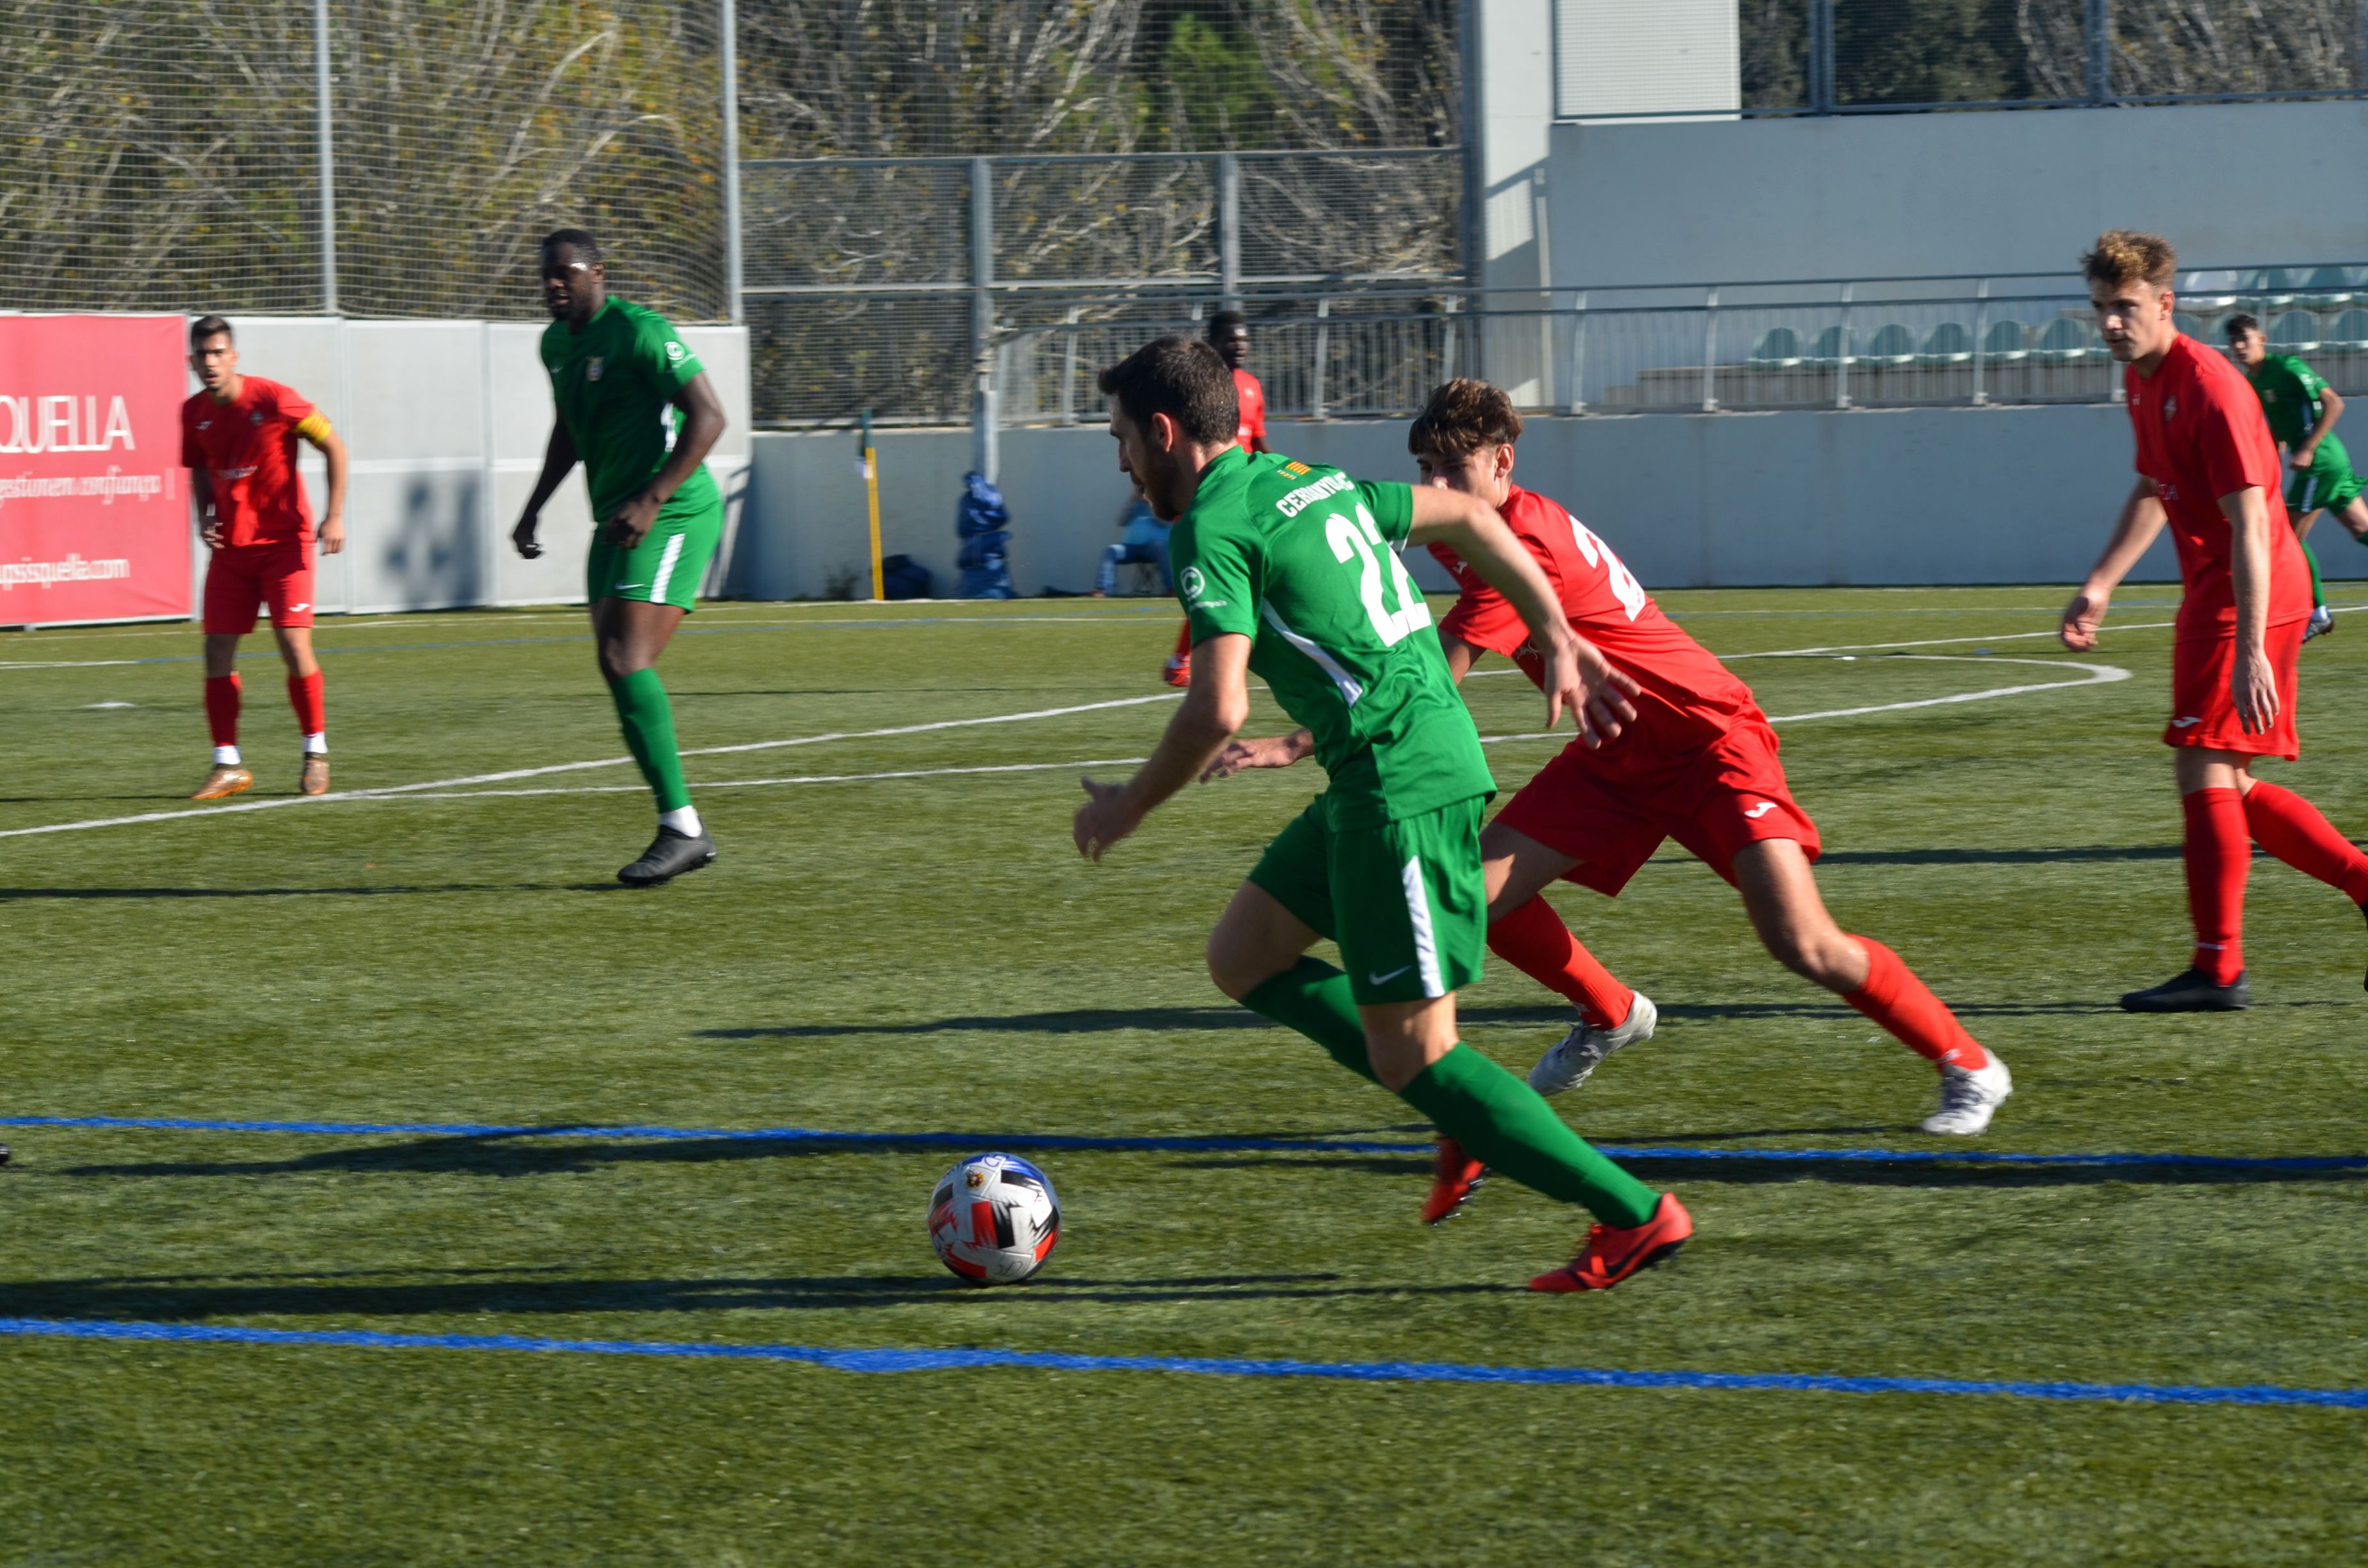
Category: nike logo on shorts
[1373,979]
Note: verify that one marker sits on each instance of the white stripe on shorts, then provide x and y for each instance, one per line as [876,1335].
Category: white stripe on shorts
[1426,947]
[665,569]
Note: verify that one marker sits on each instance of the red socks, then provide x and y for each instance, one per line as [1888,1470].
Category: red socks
[2292,829]
[2219,850]
[305,696]
[221,709]
[1533,939]
[1184,639]
[1895,998]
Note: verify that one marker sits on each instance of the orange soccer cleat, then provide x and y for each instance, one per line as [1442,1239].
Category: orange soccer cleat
[1613,1254]
[227,778]
[1455,1176]
[315,777]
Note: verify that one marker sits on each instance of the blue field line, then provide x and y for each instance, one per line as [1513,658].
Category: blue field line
[890,1361]
[1172,1144]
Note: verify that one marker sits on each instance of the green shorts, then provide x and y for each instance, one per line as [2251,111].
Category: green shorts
[1406,900]
[670,563]
[2328,481]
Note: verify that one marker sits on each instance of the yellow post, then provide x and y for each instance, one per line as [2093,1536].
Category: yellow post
[871,495]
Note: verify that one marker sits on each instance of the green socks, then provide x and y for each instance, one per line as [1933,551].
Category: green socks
[2317,597]
[1314,998]
[1500,1119]
[647,718]
[1506,1125]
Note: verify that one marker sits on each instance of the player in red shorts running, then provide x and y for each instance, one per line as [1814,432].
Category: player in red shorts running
[1697,761]
[2207,466]
[1230,332]
[238,440]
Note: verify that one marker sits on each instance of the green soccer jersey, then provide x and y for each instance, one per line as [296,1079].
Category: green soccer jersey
[2289,391]
[615,383]
[1304,563]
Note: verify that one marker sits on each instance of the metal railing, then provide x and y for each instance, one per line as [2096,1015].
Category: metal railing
[1862,343]
[897,284]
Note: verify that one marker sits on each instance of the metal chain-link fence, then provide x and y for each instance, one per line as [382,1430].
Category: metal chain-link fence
[167,153]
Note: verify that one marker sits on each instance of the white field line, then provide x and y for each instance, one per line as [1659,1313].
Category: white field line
[448,789]
[2099,674]
[278,802]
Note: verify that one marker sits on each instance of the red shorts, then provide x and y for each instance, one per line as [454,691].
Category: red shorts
[1715,801]
[243,577]
[2202,713]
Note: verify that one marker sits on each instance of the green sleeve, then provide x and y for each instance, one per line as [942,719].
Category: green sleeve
[1391,507]
[2311,382]
[1216,581]
[665,359]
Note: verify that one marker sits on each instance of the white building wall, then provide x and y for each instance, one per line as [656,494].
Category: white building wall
[445,422]
[1907,496]
[1910,195]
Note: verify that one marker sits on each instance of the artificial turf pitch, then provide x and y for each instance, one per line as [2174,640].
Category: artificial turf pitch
[927,954]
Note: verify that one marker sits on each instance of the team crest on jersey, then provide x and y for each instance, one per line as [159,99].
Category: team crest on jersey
[2169,406]
[592,369]
[2268,394]
[255,419]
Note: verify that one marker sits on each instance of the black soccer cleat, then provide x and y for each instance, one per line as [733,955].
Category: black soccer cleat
[670,854]
[4,1153]
[2190,992]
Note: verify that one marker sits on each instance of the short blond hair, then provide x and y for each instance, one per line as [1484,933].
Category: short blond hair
[2126,255]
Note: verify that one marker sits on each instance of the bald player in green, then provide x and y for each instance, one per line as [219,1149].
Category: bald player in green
[636,408]
[2302,409]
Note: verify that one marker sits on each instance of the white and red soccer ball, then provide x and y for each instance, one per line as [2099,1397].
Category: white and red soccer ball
[994,1219]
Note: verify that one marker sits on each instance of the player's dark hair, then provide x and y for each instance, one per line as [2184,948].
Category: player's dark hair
[2126,255]
[1181,378]
[580,241]
[1222,324]
[210,326]
[2236,326]
[1462,417]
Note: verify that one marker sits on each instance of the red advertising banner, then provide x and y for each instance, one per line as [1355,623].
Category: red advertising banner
[94,505]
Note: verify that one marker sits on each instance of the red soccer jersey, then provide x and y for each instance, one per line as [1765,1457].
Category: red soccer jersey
[1253,398]
[1686,700]
[2201,435]
[248,448]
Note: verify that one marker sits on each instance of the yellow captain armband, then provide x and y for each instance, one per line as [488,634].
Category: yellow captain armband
[313,428]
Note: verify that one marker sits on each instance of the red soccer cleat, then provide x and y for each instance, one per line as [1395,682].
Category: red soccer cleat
[1177,671]
[1611,1254]
[1455,1176]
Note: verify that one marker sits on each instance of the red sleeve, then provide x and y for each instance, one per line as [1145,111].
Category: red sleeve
[192,455]
[290,404]
[1486,618]
[2233,440]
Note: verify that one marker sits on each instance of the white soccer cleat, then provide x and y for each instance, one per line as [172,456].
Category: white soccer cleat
[1969,1099]
[2322,622]
[1581,1050]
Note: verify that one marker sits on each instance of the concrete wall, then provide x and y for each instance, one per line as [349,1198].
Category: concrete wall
[1726,500]
[445,422]
[1871,196]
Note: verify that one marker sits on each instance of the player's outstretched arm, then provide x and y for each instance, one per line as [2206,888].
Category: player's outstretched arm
[2141,520]
[702,424]
[1577,675]
[1263,751]
[558,457]
[1215,707]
